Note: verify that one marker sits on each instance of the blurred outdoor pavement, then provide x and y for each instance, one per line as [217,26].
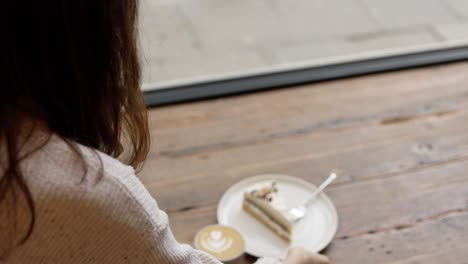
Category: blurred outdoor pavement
[188,39]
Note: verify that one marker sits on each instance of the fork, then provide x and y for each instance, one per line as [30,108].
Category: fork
[297,213]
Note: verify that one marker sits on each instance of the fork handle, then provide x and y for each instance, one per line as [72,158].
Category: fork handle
[322,186]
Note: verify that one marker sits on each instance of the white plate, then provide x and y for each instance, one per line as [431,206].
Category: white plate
[314,232]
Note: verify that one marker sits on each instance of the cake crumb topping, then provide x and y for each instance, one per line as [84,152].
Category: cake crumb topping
[267,192]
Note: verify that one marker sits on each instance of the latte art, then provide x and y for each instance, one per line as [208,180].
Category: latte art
[216,242]
[222,242]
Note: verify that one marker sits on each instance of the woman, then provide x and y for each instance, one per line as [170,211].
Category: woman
[70,82]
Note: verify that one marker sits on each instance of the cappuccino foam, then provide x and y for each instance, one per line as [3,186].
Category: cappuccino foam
[222,242]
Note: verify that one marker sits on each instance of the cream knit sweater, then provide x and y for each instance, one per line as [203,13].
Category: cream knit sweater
[106,216]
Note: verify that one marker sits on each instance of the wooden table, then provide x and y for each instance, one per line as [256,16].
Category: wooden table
[398,140]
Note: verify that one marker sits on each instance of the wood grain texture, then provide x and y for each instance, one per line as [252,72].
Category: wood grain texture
[398,140]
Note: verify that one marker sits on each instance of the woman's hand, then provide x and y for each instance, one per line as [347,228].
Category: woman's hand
[302,256]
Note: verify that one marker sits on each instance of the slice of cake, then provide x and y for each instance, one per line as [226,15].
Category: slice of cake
[266,205]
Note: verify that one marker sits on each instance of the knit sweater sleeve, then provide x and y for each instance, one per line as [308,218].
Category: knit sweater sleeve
[105,216]
[167,249]
[160,244]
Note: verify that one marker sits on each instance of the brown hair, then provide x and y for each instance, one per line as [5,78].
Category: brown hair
[73,65]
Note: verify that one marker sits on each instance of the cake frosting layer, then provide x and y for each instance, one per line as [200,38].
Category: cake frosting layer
[268,207]
[266,220]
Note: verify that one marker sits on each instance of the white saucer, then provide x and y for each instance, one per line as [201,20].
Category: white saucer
[314,232]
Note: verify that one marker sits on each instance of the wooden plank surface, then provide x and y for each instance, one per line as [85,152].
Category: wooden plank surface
[398,140]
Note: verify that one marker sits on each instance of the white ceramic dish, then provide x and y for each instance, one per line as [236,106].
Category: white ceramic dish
[314,232]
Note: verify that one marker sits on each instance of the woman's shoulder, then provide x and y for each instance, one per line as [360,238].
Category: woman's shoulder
[67,160]
[92,198]
[62,166]
[95,209]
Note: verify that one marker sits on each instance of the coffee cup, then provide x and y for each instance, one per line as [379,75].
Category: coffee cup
[223,242]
